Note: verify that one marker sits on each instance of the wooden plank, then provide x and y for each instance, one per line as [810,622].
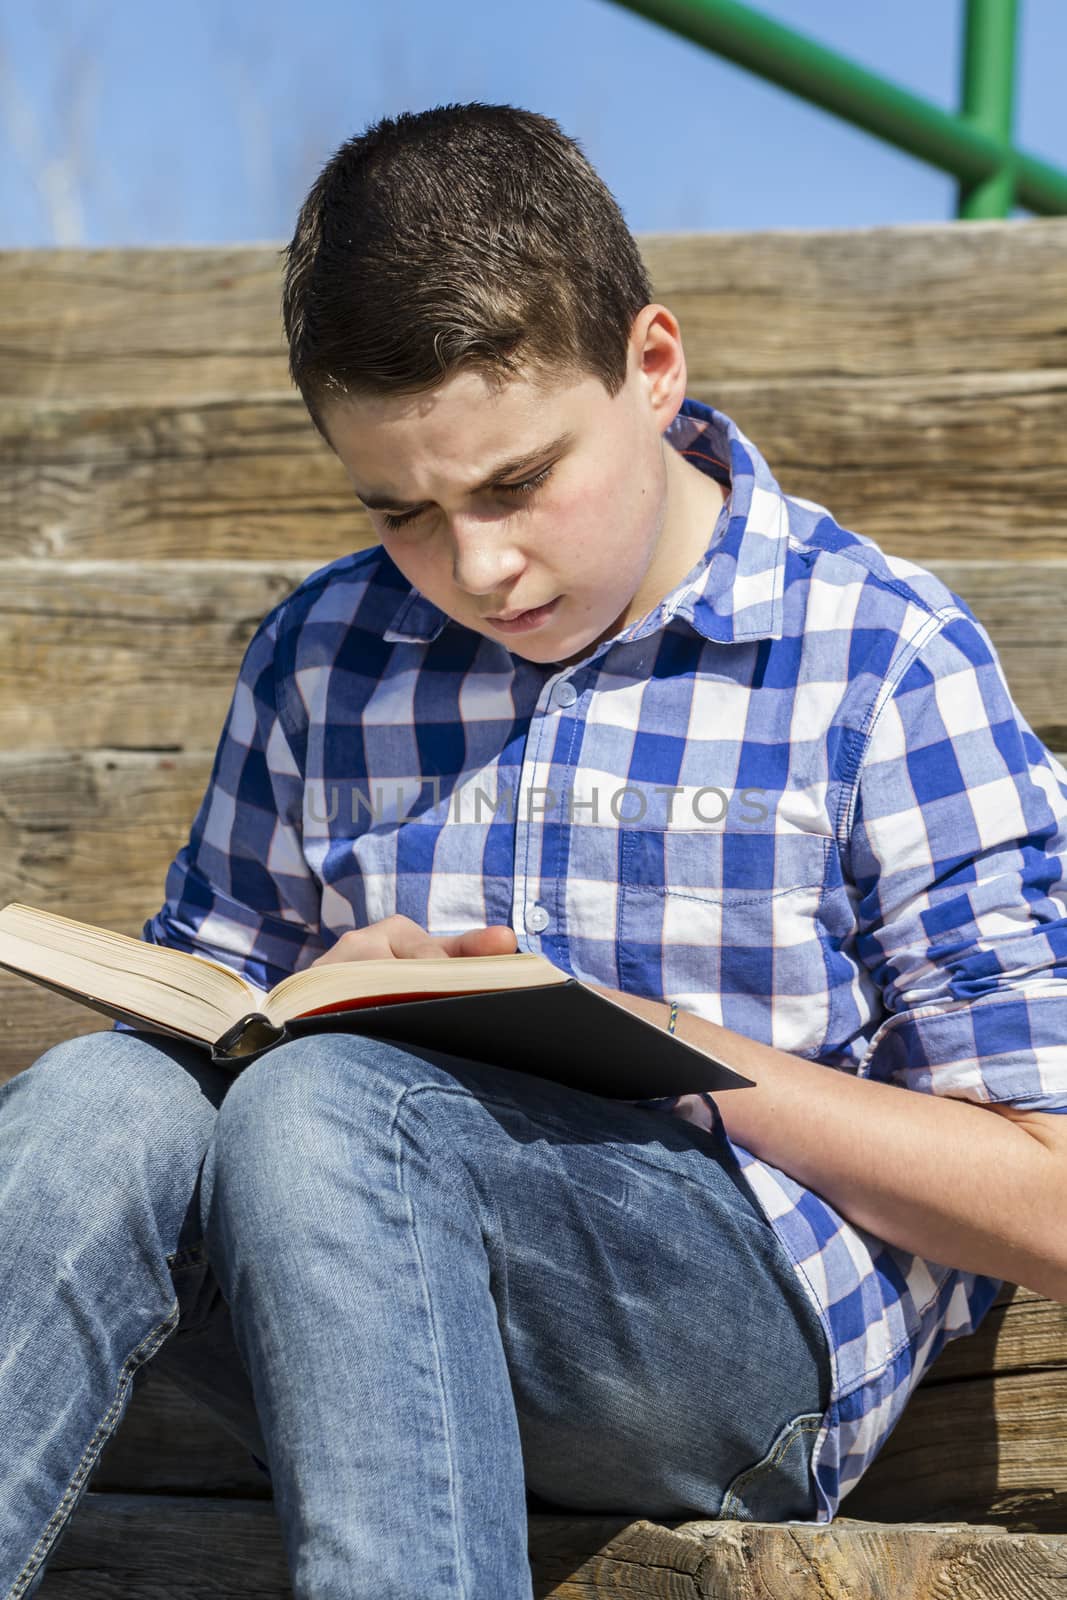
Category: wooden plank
[865,302]
[155,1547]
[912,298]
[849,1559]
[1021,1332]
[994,1449]
[146,322]
[169,1443]
[218,479]
[33,1020]
[130,636]
[91,833]
[117,1547]
[970,465]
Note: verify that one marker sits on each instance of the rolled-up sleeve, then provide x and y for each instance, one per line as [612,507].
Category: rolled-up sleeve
[240,890]
[958,850]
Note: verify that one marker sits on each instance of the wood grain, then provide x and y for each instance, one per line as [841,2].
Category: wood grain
[866,302]
[90,833]
[142,322]
[871,302]
[156,1547]
[985,1450]
[222,479]
[965,465]
[127,656]
[1021,1332]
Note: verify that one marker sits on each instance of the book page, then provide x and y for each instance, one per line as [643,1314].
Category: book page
[116,974]
[402,978]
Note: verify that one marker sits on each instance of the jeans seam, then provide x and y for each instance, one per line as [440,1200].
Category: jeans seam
[399,1159]
[104,1429]
[485,1211]
[801,1425]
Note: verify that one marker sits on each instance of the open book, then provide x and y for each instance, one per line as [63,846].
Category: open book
[519,1011]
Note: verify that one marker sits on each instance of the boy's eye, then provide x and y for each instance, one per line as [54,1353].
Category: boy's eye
[526,487]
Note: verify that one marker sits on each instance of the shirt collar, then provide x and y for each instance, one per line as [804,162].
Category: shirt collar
[735,592]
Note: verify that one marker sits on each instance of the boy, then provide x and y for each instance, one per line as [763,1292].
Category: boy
[603,692]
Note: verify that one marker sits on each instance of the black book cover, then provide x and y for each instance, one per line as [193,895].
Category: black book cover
[565,1032]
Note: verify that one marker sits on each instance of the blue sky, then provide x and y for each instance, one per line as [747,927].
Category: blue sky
[130,122]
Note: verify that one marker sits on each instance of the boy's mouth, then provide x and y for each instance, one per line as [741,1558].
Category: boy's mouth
[519,622]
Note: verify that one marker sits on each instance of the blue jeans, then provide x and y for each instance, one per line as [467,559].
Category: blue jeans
[429,1294]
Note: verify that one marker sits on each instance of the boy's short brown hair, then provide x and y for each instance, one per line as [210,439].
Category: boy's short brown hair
[464,236]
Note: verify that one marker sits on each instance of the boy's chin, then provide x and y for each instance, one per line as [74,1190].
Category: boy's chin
[544,652]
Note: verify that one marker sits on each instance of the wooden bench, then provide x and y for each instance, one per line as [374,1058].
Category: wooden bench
[161,487]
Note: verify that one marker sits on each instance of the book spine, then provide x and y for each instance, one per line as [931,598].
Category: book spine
[251,1035]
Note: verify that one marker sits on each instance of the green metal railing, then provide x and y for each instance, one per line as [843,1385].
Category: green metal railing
[975,145]
[987,96]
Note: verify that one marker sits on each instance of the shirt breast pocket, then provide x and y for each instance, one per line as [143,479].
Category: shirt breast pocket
[728,924]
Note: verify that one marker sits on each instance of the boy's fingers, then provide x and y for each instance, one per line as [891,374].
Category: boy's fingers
[358,944]
[391,936]
[499,940]
[407,939]
[400,936]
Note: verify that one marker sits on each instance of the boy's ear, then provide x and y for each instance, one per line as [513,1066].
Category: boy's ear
[656,346]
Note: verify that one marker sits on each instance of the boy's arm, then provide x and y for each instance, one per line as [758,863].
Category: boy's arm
[957,846]
[240,890]
[935,1176]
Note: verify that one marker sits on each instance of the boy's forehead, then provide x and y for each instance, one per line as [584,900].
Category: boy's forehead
[483,433]
[465,398]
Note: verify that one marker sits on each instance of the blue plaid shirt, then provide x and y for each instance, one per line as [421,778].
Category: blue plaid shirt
[796,797]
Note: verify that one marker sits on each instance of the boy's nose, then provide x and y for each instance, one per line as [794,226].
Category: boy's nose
[485,560]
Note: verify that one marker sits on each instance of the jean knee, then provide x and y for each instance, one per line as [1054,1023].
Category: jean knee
[320,1075]
[308,1098]
[103,1105]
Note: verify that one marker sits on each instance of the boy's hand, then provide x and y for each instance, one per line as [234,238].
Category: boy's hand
[400,936]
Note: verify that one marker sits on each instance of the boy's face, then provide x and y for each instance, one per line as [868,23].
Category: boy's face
[613,519]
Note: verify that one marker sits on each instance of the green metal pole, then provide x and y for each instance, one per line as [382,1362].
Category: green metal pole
[813,72]
[987,95]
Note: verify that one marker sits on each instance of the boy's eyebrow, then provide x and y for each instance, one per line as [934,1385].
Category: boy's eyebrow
[505,469]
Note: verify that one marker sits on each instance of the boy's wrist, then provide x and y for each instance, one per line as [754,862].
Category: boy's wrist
[654,1011]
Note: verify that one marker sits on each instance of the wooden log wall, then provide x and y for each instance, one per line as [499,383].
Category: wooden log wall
[161,487]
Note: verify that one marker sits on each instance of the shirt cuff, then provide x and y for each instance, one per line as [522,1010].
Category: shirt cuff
[1009,1049]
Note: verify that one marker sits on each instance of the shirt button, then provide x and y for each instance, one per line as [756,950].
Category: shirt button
[566,694]
[537,919]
